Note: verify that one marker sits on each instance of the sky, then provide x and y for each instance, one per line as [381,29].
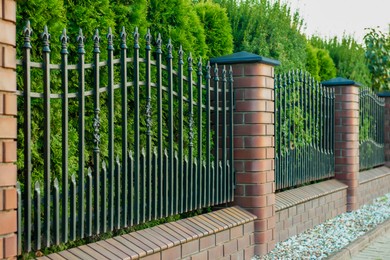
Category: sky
[329,18]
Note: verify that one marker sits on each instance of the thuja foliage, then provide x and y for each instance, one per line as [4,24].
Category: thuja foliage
[269,29]
[319,63]
[378,58]
[348,57]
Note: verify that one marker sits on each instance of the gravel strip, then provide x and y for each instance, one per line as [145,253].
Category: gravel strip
[334,234]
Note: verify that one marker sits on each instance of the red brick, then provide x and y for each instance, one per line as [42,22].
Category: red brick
[260,93]
[155,256]
[230,247]
[258,165]
[249,82]
[251,202]
[236,232]
[249,253]
[8,127]
[250,153]
[259,141]
[246,130]
[262,213]
[171,253]
[9,10]
[258,69]
[259,118]
[8,33]
[222,236]
[263,237]
[8,222]
[190,248]
[207,242]
[261,225]
[243,242]
[9,104]
[200,256]
[8,174]
[251,106]
[215,252]
[258,189]
[8,151]
[251,178]
[10,199]
[7,56]
[10,246]
[249,228]
[8,78]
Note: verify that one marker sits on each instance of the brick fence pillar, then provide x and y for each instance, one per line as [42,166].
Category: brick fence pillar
[347,136]
[254,153]
[8,130]
[386,96]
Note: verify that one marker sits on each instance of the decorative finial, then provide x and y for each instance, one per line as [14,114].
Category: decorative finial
[96,42]
[45,39]
[169,47]
[110,38]
[189,60]
[208,68]
[148,38]
[64,42]
[27,32]
[181,53]
[136,38]
[200,66]
[81,40]
[123,38]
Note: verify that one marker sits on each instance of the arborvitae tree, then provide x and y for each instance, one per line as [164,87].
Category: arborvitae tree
[327,69]
[348,57]
[268,29]
[217,28]
[312,61]
[177,20]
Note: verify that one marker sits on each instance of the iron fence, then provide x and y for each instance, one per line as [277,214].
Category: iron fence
[135,139]
[304,130]
[371,129]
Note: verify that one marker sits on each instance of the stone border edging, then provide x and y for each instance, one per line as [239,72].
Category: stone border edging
[360,243]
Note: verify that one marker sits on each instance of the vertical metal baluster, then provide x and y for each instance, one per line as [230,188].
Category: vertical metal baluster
[176,191]
[204,184]
[301,139]
[56,207]
[125,169]
[290,108]
[89,189]
[37,215]
[117,212]
[148,111]
[155,184]
[209,189]
[46,100]
[169,210]
[81,123]
[285,169]
[142,189]
[160,126]
[65,126]
[231,176]
[73,216]
[186,184]
[200,203]
[277,131]
[130,186]
[192,178]
[216,199]
[104,197]
[322,118]
[224,137]
[96,129]
[19,216]
[180,130]
[111,119]
[165,208]
[137,149]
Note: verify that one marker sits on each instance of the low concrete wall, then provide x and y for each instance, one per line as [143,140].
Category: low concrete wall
[222,234]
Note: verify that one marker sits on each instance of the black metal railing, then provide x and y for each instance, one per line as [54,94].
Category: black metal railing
[304,130]
[371,129]
[135,139]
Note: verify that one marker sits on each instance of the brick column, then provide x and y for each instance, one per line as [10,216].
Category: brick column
[8,130]
[386,96]
[347,136]
[254,141]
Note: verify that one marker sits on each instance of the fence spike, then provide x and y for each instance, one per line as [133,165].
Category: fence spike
[148,38]
[123,36]
[96,41]
[169,48]
[200,73]
[136,38]
[64,42]
[45,36]
[27,32]
[181,53]
[80,40]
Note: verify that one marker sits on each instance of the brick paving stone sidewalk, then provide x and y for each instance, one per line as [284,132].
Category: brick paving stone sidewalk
[377,249]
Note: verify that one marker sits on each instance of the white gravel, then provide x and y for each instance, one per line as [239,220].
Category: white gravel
[334,234]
